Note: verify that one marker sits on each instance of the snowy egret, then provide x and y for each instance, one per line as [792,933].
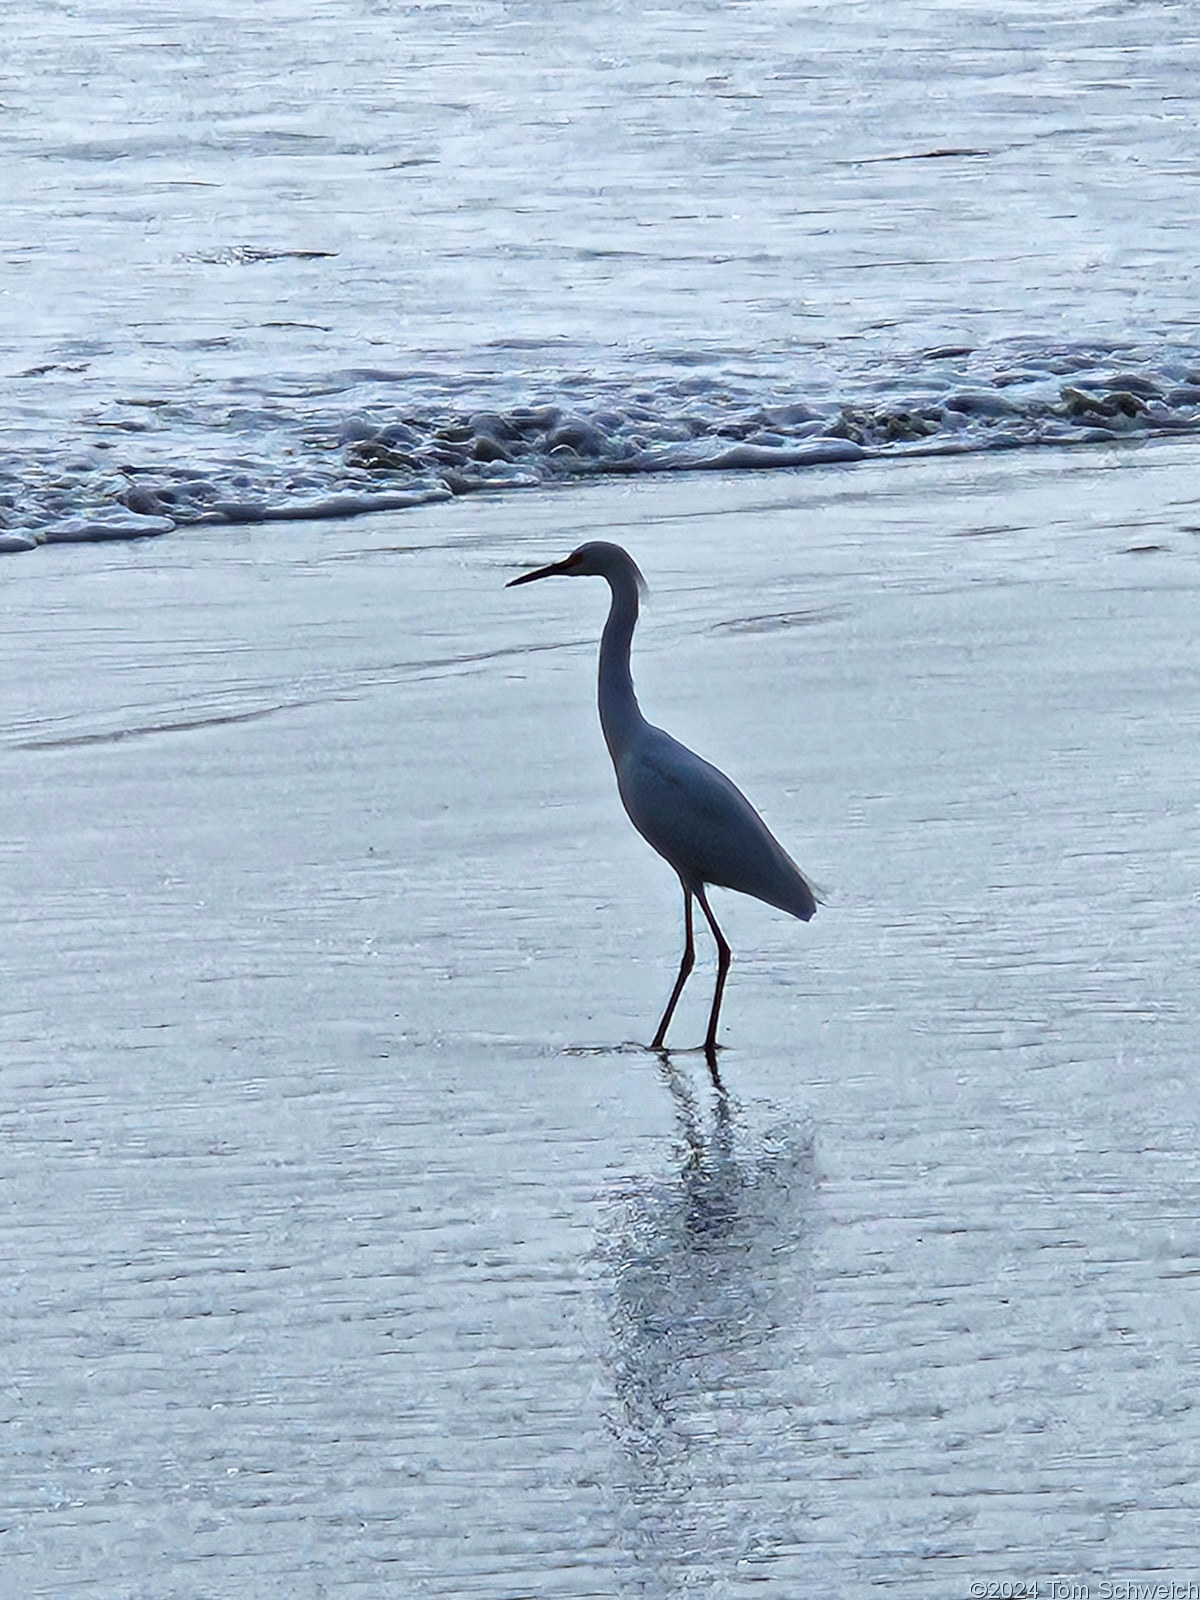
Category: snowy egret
[697,820]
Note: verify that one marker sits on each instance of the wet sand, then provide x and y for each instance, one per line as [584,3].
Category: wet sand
[355,1246]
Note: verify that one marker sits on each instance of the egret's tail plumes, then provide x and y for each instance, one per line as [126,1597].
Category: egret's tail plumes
[802,902]
[770,875]
[800,897]
[789,891]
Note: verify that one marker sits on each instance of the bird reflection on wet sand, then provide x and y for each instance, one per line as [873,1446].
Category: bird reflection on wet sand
[707,1275]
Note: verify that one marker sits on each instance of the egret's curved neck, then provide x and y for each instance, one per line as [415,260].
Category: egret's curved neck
[619,713]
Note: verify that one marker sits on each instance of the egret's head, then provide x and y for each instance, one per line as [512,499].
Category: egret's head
[596,559]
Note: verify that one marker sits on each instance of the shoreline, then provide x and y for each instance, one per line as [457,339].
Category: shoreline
[375,452]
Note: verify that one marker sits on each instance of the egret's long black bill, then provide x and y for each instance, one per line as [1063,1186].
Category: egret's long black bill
[542,572]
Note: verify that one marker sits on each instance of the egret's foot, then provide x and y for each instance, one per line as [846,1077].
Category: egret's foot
[710,1056]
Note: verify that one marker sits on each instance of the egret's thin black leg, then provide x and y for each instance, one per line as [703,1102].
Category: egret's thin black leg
[724,957]
[685,966]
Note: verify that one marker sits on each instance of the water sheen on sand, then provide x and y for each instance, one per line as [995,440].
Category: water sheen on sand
[352,1248]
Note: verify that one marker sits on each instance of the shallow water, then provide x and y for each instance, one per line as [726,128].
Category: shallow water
[238,245]
[353,1244]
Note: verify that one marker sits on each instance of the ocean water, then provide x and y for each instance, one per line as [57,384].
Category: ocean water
[297,261]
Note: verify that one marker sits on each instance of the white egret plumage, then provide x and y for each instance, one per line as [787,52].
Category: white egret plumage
[697,820]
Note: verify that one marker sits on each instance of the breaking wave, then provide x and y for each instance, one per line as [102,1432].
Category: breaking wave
[369,441]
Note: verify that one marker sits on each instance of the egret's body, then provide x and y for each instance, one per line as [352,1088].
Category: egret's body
[696,819]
